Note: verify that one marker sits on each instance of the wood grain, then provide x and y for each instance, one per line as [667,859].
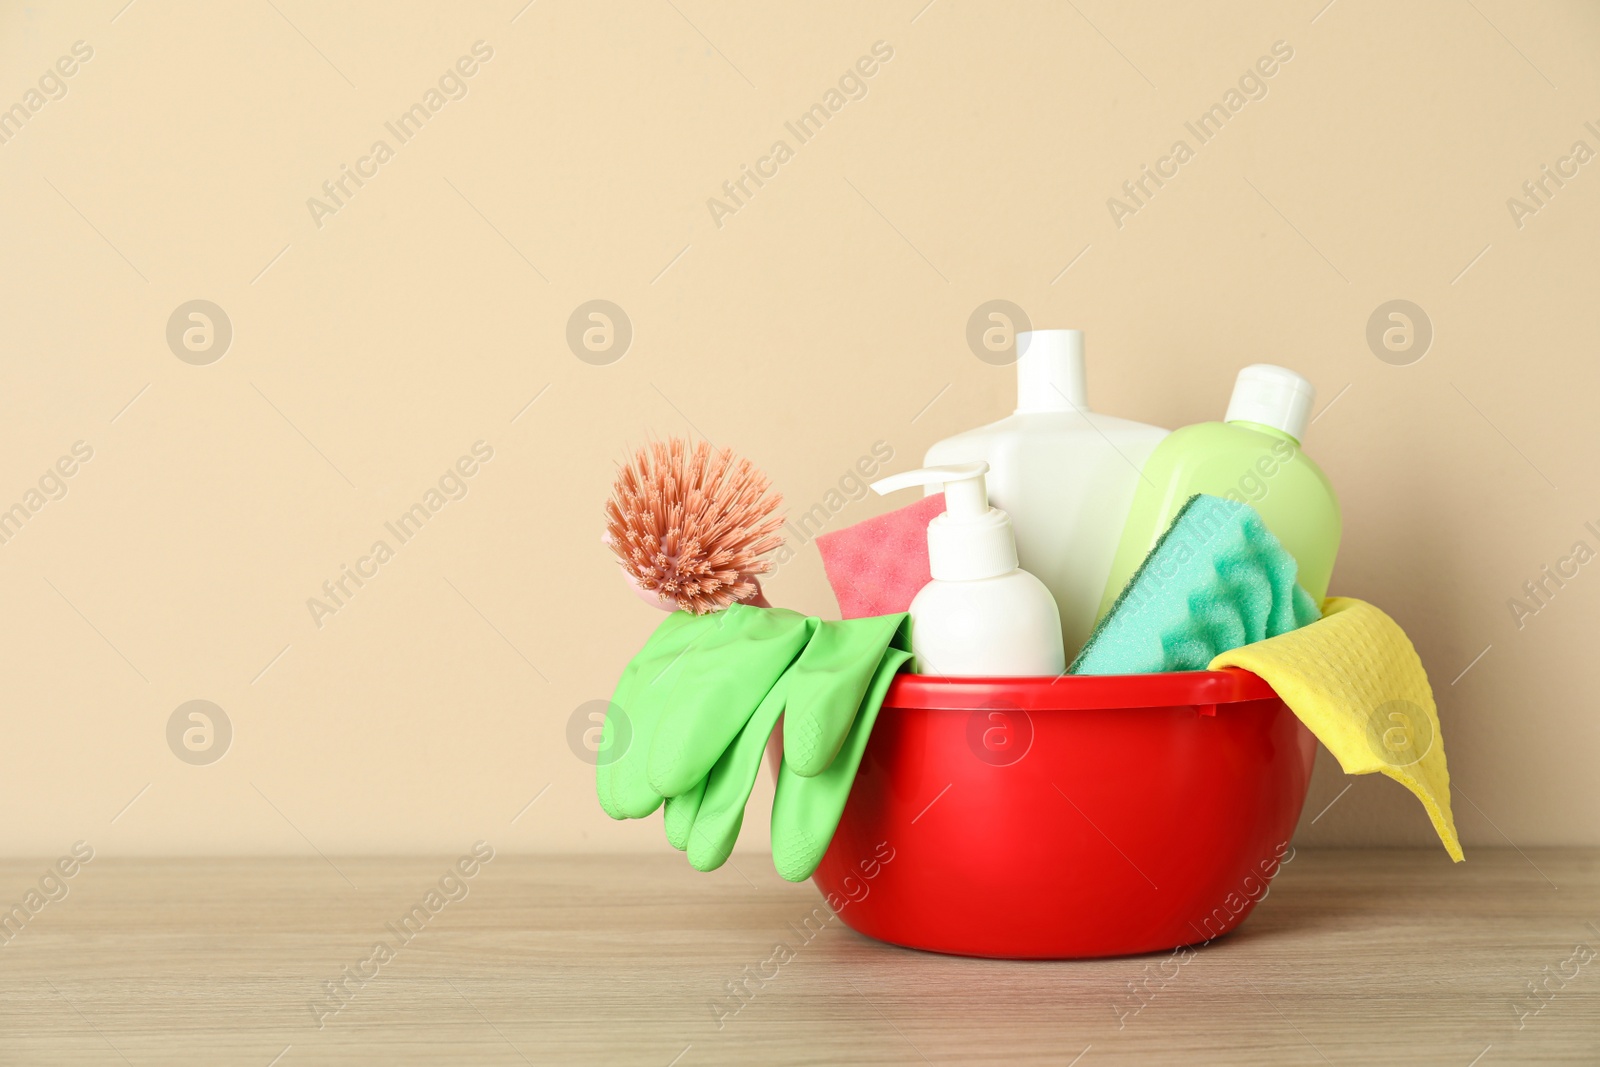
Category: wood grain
[1355,957]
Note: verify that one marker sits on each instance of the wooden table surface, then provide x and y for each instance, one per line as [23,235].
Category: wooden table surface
[1358,957]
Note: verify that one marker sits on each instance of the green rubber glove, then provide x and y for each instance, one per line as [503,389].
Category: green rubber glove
[842,674]
[685,697]
[830,679]
[678,815]
[728,786]
[694,710]
[806,809]
[721,680]
[626,732]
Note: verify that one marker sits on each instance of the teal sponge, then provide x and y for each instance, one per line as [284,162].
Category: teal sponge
[1215,581]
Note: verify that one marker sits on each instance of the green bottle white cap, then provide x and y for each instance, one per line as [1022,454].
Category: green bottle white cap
[1272,396]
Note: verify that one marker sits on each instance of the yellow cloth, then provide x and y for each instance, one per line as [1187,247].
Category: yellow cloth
[1355,681]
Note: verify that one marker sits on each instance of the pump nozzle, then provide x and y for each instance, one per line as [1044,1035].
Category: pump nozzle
[970,540]
[966,497]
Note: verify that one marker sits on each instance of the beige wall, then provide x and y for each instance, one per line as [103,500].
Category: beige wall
[374,345]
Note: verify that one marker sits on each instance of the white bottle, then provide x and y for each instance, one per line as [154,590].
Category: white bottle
[980,616]
[1065,474]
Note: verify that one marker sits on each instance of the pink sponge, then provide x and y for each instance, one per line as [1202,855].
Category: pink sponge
[877,566]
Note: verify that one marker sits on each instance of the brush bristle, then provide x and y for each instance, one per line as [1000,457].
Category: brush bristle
[691,525]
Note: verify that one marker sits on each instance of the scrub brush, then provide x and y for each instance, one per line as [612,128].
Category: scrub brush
[690,526]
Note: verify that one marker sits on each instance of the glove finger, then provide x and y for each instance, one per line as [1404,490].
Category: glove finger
[829,680]
[725,677]
[679,816]
[721,814]
[806,810]
[621,780]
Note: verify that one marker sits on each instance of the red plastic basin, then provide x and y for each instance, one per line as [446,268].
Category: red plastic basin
[1068,817]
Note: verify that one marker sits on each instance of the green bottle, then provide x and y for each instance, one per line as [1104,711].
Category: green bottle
[1252,456]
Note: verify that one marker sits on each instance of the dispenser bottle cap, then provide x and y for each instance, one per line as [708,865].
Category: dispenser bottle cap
[1050,374]
[970,540]
[1272,396]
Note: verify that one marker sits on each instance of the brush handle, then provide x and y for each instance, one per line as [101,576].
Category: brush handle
[756,600]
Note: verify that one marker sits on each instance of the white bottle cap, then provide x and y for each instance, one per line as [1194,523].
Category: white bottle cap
[1050,371]
[970,540]
[1272,396]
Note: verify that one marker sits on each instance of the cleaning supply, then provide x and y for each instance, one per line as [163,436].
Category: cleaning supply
[828,682]
[829,702]
[980,615]
[1356,681]
[1120,811]
[716,687]
[1217,579]
[1253,456]
[686,697]
[806,810]
[629,796]
[690,526]
[715,813]
[703,697]
[1065,474]
[876,566]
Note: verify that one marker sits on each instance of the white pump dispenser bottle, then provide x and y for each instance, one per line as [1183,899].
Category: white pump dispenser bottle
[981,615]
